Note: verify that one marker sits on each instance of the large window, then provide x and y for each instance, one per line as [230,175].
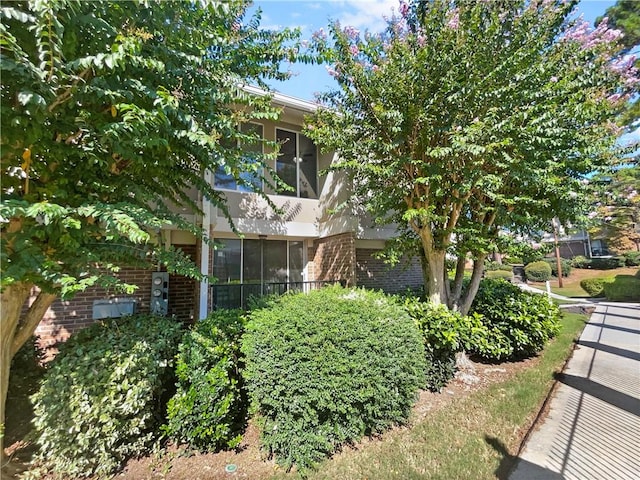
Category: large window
[251,179]
[297,164]
[258,261]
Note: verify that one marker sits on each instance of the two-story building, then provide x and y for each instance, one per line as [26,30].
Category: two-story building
[300,245]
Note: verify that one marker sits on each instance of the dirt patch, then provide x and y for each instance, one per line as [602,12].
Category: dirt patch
[174,463]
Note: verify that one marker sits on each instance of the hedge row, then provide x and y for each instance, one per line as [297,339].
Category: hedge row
[320,371]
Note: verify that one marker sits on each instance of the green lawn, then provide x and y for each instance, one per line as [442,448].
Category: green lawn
[571,285]
[472,438]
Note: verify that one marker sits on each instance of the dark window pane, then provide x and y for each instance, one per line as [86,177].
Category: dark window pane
[308,168]
[296,264]
[223,180]
[226,261]
[275,261]
[252,261]
[286,163]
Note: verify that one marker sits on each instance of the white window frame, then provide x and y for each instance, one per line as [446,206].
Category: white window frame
[261,188]
[297,161]
[304,257]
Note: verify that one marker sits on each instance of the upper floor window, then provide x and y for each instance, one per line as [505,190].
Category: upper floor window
[297,164]
[251,179]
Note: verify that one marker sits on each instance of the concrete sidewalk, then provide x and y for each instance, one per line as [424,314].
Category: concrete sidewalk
[592,430]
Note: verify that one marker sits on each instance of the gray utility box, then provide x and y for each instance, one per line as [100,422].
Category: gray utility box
[159,293]
[113,307]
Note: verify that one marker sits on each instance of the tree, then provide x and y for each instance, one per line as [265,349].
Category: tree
[617,209]
[464,118]
[111,111]
[625,16]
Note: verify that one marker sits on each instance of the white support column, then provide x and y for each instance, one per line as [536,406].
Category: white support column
[204,253]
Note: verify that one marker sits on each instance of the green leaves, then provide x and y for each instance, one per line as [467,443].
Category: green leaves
[475,112]
[209,410]
[122,107]
[326,368]
[101,400]
[517,324]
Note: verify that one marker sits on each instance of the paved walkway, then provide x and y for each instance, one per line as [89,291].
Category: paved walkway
[592,430]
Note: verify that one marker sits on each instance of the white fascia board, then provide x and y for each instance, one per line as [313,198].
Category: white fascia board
[281,99]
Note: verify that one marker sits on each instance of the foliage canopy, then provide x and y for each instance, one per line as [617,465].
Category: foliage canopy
[112,114]
[464,118]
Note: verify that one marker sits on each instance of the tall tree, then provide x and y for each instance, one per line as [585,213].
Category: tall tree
[625,16]
[616,214]
[111,111]
[467,117]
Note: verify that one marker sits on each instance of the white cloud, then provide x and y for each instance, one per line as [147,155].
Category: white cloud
[367,14]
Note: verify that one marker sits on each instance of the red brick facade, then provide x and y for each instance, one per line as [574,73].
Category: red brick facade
[374,273]
[65,317]
[330,258]
[334,258]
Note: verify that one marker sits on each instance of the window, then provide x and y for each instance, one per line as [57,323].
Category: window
[252,151]
[297,164]
[258,261]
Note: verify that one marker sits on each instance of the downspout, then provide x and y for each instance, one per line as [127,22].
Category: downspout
[204,253]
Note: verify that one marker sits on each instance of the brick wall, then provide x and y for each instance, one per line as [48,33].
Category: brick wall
[374,273]
[183,291]
[334,258]
[66,317]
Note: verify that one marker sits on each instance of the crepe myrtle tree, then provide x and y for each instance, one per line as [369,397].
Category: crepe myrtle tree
[463,118]
[110,112]
[616,208]
[625,16]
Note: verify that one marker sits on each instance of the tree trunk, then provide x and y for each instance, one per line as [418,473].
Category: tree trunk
[458,282]
[11,300]
[14,334]
[436,291]
[476,277]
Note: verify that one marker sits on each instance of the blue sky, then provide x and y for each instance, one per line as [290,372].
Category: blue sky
[311,15]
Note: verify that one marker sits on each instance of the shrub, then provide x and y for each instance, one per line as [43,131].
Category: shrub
[326,368]
[492,266]
[593,286]
[608,263]
[444,333]
[512,260]
[623,288]
[103,397]
[581,262]
[499,274]
[564,264]
[538,271]
[632,259]
[519,323]
[209,410]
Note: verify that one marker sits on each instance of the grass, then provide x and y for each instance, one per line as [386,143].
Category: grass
[571,285]
[476,437]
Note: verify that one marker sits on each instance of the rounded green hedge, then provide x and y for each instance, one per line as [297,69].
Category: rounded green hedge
[631,259]
[538,271]
[623,288]
[209,410]
[326,368]
[593,286]
[518,323]
[103,398]
[499,274]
